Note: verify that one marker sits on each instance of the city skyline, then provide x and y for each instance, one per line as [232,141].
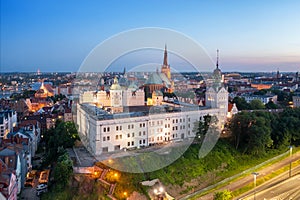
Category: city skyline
[57,36]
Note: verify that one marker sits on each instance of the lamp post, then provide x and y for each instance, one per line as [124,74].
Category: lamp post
[291,152]
[254,176]
[158,192]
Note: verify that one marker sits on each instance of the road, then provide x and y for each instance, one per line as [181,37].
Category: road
[285,190]
[249,179]
[274,182]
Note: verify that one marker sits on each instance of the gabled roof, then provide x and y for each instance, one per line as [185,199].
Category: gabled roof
[157,78]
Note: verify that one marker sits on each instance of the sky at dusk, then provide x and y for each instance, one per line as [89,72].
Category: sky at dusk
[57,35]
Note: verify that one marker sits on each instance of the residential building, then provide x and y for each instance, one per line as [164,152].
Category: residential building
[296,101]
[8,120]
[263,98]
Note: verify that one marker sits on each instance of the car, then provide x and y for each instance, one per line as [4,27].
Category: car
[41,187]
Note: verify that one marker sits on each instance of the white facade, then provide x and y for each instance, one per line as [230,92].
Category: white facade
[8,120]
[296,101]
[263,98]
[134,132]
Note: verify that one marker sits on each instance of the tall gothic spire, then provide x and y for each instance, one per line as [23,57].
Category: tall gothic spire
[217,59]
[166,56]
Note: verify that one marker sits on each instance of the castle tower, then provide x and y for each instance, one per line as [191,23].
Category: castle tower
[116,97]
[165,68]
[216,95]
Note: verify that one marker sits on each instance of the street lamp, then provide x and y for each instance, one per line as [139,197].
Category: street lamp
[159,192]
[254,176]
[291,152]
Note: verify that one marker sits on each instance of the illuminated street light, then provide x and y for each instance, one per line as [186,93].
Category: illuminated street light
[254,176]
[159,192]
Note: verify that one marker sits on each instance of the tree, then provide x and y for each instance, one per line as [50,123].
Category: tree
[63,171]
[271,105]
[241,103]
[223,195]
[63,136]
[256,105]
[204,124]
[251,132]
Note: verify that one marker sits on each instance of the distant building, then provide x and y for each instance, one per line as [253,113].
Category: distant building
[232,110]
[64,89]
[8,120]
[263,98]
[44,91]
[296,101]
[8,183]
[160,80]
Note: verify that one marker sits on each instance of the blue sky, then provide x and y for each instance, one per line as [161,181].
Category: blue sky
[57,35]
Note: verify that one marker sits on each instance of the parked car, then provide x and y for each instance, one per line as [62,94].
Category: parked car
[41,187]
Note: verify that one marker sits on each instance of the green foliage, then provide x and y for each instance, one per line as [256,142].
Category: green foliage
[257,132]
[63,136]
[223,195]
[62,171]
[271,105]
[251,132]
[241,103]
[256,105]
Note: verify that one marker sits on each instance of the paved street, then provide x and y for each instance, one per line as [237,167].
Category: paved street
[285,190]
[29,194]
[267,170]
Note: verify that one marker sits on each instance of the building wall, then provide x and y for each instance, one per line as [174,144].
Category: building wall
[135,132]
[296,101]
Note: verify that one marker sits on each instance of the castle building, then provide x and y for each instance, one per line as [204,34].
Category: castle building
[118,118]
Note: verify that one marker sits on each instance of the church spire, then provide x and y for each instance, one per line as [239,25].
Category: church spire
[166,56]
[217,59]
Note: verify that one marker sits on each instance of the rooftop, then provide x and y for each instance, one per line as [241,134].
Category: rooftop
[139,111]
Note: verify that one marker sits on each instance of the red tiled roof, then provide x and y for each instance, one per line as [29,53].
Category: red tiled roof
[230,106]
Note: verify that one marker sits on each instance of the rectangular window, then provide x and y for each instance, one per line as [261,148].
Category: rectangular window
[105,149]
[144,132]
[121,137]
[108,129]
[104,139]
[144,124]
[117,147]
[128,134]
[128,144]
[128,126]
[140,133]
[140,141]
[117,137]
[108,138]
[117,128]
[144,141]
[104,129]
[132,126]
[132,134]
[132,143]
